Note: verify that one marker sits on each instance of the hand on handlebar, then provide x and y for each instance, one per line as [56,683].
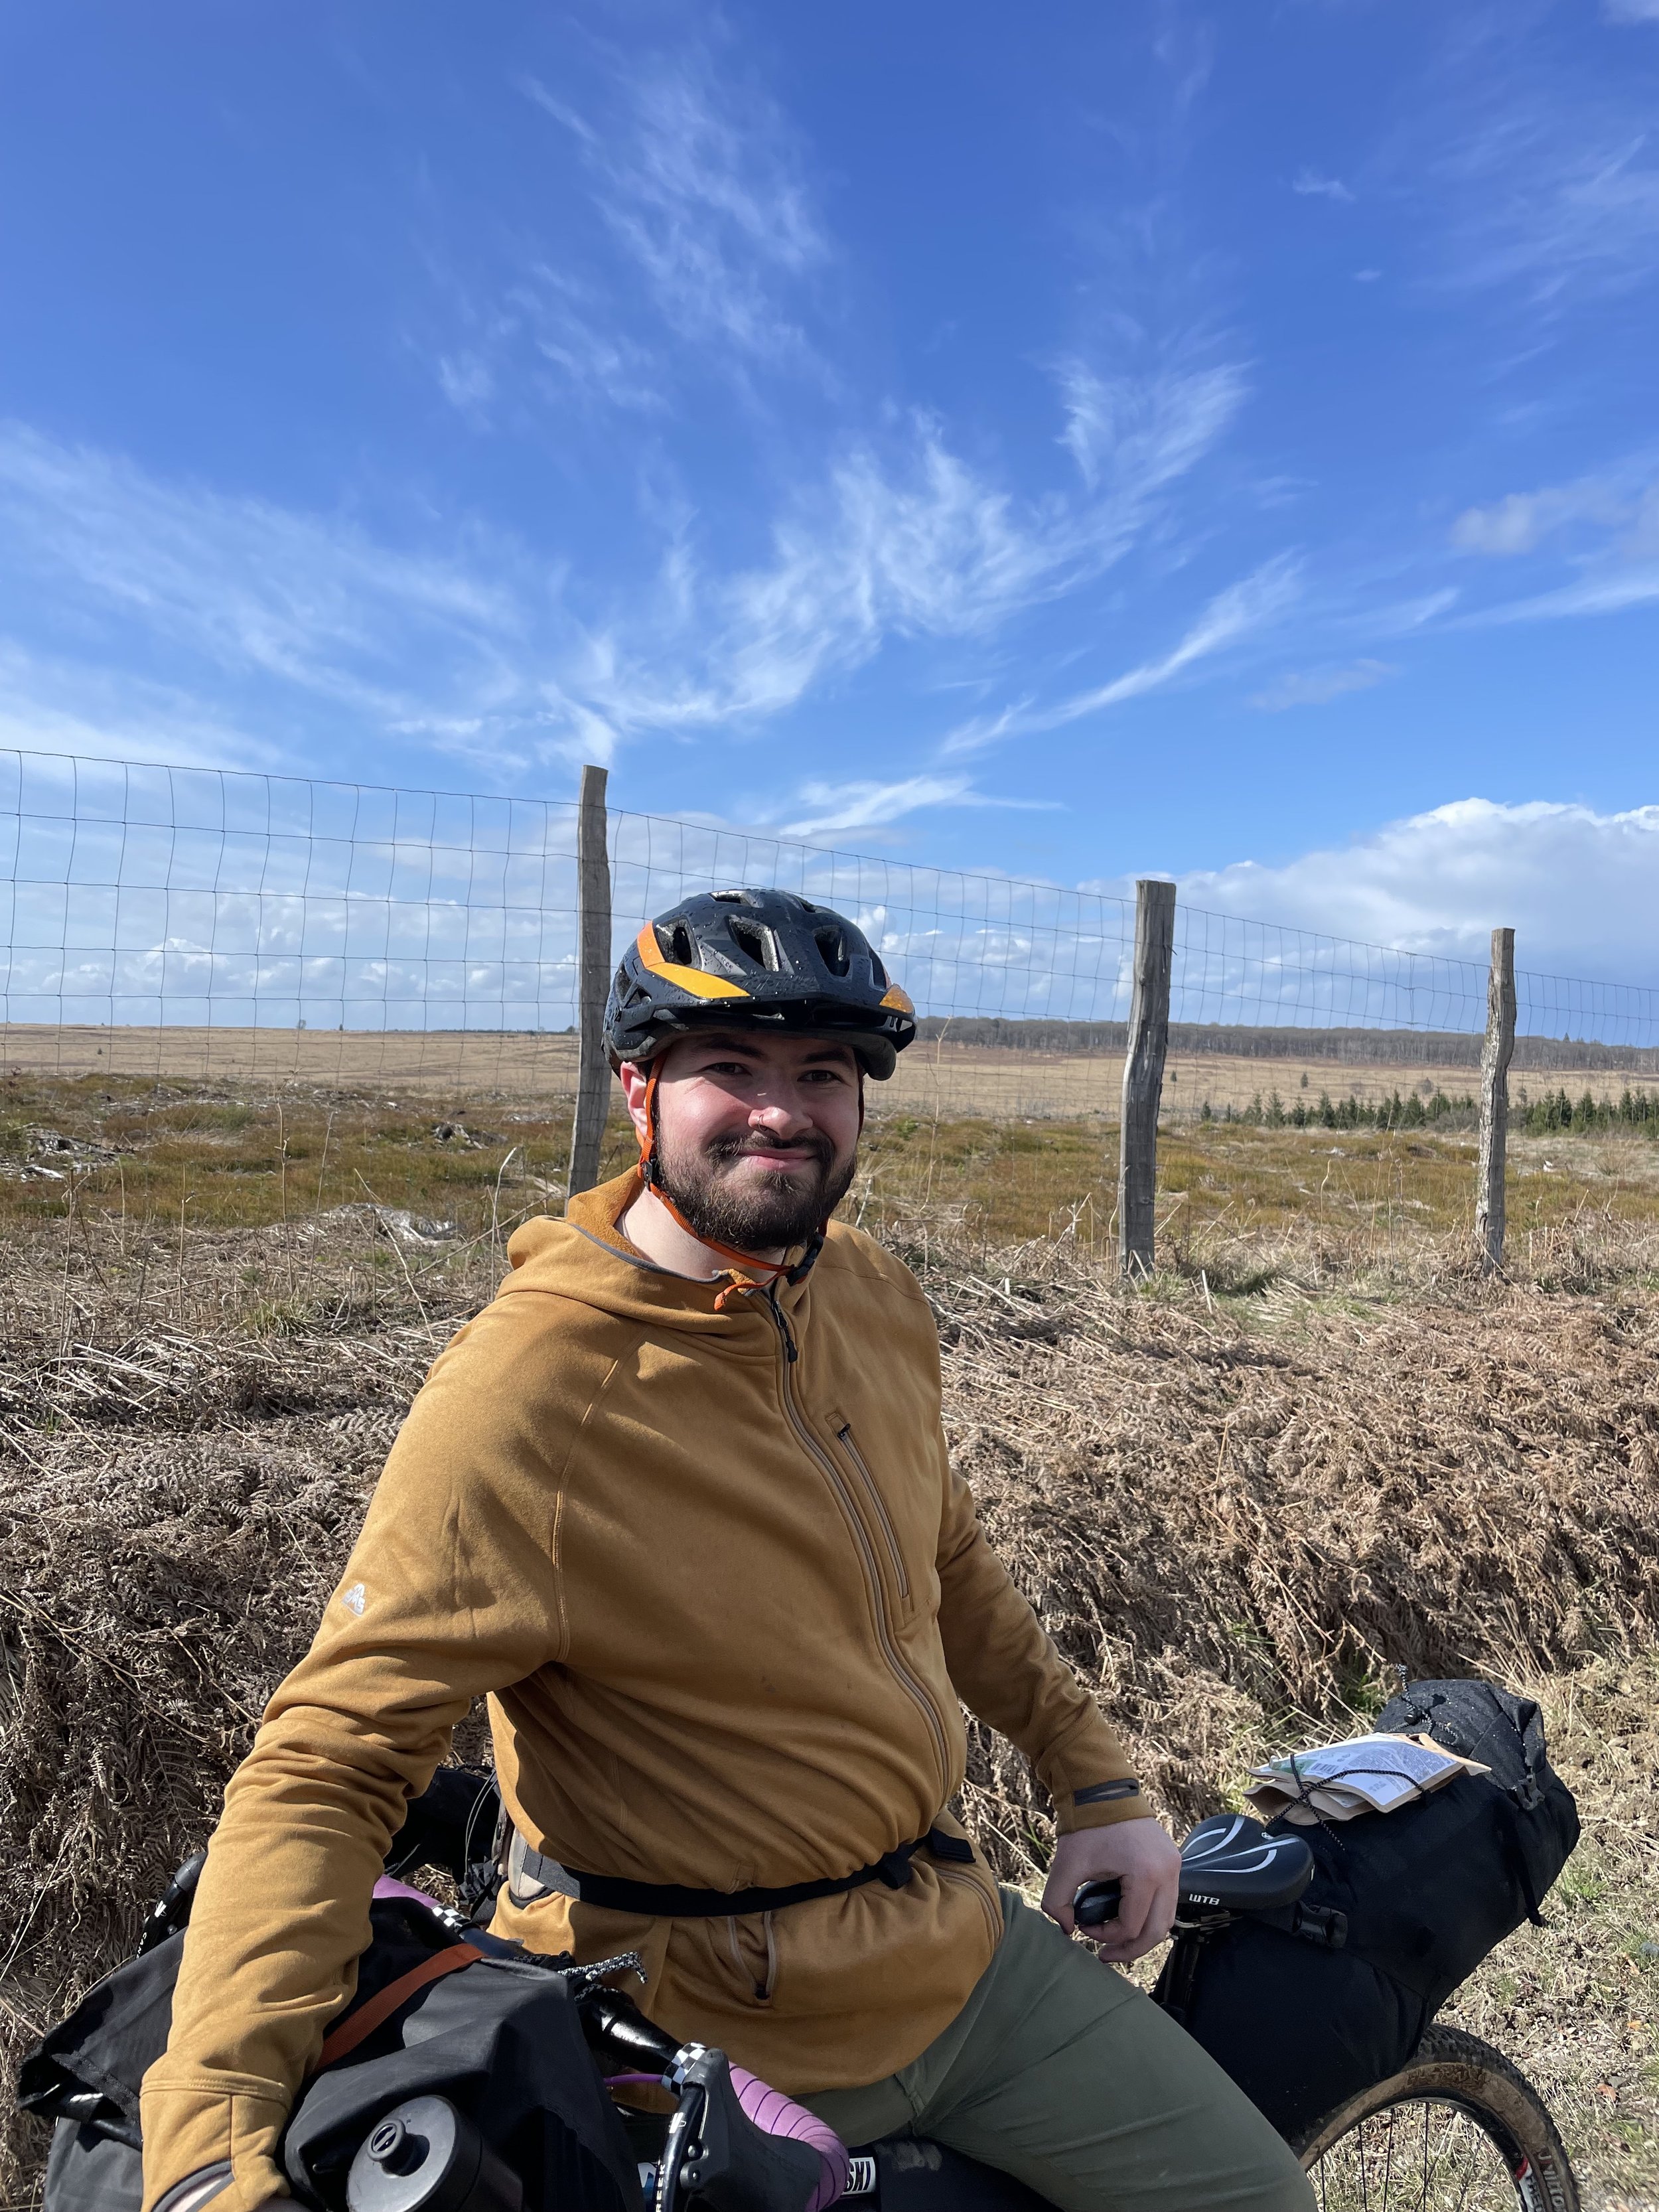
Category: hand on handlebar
[1139,1855]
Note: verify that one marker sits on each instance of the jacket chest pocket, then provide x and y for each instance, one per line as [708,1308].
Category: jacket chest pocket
[897,1578]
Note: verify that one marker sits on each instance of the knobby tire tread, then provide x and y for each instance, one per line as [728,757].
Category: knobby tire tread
[1449,2065]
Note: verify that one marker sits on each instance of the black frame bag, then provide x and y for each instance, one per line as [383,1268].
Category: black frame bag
[1403,1906]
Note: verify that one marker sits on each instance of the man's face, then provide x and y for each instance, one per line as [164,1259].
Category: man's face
[757,1135]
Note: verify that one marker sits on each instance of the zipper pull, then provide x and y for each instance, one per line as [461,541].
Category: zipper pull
[790,1351]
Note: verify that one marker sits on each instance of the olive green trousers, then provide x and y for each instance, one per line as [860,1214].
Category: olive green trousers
[1061,2072]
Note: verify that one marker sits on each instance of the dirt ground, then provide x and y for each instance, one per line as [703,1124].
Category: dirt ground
[1313,1448]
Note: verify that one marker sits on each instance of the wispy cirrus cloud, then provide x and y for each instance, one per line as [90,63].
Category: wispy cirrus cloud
[1550,193]
[1610,521]
[241,584]
[702,181]
[838,810]
[1142,432]
[1317,687]
[702,241]
[62,706]
[479,653]
[1257,599]
[912,544]
[1250,605]
[1609,593]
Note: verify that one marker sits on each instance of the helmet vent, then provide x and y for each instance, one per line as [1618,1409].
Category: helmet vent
[832,949]
[758,942]
[678,945]
[877,968]
[728,898]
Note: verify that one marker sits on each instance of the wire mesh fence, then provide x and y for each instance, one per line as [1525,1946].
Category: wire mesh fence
[246,931]
[191,919]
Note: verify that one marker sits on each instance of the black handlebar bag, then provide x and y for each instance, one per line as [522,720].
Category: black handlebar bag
[478,2021]
[1403,1906]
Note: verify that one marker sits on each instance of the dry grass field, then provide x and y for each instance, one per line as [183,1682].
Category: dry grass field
[935,1079]
[1313,1449]
[203,1154]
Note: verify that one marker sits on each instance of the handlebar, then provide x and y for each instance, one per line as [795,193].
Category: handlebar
[733,2143]
[1096,1903]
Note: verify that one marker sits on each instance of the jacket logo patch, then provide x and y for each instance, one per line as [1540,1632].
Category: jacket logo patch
[355,1599]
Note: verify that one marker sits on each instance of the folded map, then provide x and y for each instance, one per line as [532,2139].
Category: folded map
[1338,1781]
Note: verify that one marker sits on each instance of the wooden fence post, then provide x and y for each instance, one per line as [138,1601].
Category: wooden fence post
[593,983]
[1143,1074]
[1495,1101]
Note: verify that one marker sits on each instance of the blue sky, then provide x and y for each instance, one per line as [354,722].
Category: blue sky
[1071,442]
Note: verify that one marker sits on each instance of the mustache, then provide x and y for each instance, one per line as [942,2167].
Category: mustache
[727,1149]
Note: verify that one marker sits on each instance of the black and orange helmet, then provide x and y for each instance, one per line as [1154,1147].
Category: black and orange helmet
[756,958]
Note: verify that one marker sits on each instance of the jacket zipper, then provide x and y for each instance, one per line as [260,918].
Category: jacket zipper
[884,1628]
[851,1449]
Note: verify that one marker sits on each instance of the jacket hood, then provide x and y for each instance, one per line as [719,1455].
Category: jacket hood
[587,1257]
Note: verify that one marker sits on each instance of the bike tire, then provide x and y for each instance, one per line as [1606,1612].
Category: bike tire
[1459,2124]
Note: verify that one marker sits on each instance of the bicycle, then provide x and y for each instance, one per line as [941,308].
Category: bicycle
[1458,2129]
[1459,2124]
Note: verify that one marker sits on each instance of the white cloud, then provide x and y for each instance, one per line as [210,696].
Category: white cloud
[835,809]
[1408,615]
[1556,199]
[1257,599]
[1617,568]
[241,583]
[910,542]
[1609,593]
[1318,687]
[1311,185]
[1140,433]
[53,707]
[568,328]
[467,382]
[1630,11]
[1366,275]
[1518,523]
[1577,886]
[479,654]
[702,181]
[1251,604]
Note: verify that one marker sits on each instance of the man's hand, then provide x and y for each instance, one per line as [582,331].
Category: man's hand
[1137,1853]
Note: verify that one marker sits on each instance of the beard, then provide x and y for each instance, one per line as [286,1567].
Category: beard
[725,1207]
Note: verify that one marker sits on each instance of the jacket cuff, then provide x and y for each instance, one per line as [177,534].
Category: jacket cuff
[1099,1804]
[192,2125]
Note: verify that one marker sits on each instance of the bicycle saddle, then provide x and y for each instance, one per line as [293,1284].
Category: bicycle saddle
[1228,1864]
[1232,1864]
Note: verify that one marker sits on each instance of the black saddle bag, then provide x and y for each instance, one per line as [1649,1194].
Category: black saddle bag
[499,2037]
[1402,1908]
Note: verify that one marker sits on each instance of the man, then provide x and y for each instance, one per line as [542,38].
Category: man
[678,1502]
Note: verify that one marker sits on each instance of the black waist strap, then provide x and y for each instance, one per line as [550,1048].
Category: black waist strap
[669,1901]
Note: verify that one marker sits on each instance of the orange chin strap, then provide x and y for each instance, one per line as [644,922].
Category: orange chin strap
[772,1271]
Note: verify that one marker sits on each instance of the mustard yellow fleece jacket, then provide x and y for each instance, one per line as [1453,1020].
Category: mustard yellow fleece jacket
[724,1594]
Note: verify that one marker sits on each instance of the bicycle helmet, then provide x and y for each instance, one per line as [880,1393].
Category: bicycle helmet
[759,959]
